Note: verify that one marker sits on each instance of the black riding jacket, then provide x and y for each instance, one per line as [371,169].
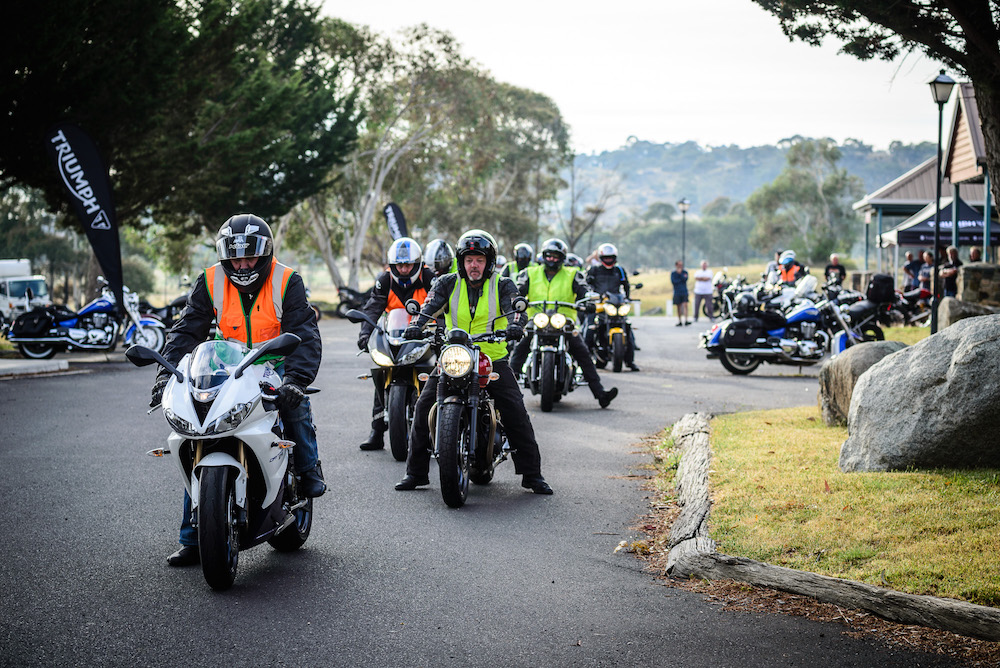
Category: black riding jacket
[608,279]
[380,294]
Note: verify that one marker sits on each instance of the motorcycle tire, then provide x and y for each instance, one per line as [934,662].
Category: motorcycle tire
[155,338]
[741,365]
[547,381]
[453,448]
[218,532]
[708,308]
[319,314]
[36,351]
[400,405]
[618,346]
[294,536]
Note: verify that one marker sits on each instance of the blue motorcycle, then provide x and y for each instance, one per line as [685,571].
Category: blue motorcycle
[41,333]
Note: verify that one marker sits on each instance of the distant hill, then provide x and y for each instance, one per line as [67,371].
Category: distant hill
[652,173]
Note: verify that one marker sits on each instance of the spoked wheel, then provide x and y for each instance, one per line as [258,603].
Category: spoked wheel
[402,400]
[295,535]
[741,365]
[453,449]
[618,346]
[36,351]
[218,532]
[154,338]
[547,382]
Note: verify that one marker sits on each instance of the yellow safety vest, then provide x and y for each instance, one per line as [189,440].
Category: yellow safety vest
[461,314]
[559,289]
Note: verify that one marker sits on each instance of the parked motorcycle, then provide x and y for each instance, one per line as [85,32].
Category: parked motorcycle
[227,444]
[403,362]
[42,332]
[912,307]
[466,432]
[351,299]
[172,311]
[612,340]
[550,370]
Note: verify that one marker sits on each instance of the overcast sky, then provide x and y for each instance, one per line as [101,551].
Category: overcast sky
[716,72]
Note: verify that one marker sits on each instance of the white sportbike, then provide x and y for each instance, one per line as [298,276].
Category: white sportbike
[228,446]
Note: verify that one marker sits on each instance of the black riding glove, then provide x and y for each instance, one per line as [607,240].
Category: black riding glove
[290,395]
[591,307]
[157,393]
[514,332]
[362,341]
[413,332]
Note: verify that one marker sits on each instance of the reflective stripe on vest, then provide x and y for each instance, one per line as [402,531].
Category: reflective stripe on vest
[266,311]
[461,316]
[559,289]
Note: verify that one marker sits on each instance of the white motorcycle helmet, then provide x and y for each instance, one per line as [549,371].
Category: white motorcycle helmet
[404,251]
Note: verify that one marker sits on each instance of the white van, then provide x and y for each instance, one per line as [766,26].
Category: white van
[15,281]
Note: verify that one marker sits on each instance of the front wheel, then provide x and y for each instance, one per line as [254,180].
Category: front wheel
[218,531]
[548,380]
[741,365]
[154,338]
[295,535]
[618,348]
[402,400]
[453,453]
[36,351]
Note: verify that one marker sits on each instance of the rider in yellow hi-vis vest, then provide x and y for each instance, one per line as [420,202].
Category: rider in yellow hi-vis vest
[471,299]
[551,281]
[253,298]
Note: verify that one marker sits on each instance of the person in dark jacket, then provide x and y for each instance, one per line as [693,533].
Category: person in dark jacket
[609,277]
[253,298]
[407,278]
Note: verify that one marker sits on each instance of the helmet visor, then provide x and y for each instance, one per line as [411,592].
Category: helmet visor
[243,245]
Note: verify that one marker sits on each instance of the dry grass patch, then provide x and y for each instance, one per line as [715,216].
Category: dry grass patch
[908,335]
[779,497]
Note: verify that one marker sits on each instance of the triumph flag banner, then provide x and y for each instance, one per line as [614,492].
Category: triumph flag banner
[396,221]
[82,171]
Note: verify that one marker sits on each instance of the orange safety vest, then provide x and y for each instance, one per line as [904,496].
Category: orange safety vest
[263,322]
[394,302]
[788,274]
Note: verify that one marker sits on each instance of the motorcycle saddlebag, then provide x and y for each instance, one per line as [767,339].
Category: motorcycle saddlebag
[743,332]
[33,323]
[881,289]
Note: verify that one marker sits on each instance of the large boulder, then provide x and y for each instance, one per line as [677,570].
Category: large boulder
[930,405]
[839,374]
[952,310]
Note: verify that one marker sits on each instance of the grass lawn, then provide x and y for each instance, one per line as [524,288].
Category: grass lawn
[779,497]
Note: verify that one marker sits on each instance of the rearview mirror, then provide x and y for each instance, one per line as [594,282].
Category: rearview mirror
[412,306]
[637,286]
[143,356]
[519,304]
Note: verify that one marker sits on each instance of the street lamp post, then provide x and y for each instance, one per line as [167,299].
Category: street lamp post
[941,87]
[683,205]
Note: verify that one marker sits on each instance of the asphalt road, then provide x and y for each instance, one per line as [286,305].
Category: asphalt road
[387,578]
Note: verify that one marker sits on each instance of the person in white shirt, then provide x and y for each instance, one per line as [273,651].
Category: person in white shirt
[703,291]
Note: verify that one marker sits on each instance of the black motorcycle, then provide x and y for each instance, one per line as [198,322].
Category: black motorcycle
[551,371]
[403,363]
[468,438]
[169,313]
[351,299]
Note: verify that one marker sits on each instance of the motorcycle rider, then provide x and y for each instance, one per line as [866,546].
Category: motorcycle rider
[789,269]
[551,281]
[439,257]
[253,298]
[524,256]
[459,295]
[609,276]
[407,278]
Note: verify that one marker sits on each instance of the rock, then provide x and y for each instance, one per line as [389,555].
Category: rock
[930,405]
[979,282]
[952,310]
[839,374]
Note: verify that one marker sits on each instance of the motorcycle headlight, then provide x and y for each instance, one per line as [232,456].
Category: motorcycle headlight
[609,309]
[414,355]
[179,424]
[381,358]
[456,361]
[624,309]
[541,320]
[232,419]
[558,320]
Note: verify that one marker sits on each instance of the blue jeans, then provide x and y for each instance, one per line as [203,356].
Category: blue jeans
[297,425]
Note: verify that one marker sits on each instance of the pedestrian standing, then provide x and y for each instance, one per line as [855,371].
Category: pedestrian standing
[703,292]
[679,279]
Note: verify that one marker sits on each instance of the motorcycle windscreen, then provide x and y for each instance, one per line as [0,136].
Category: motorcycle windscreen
[396,322]
[211,364]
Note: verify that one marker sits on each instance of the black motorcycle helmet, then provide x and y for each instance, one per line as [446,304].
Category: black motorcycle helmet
[245,236]
[523,255]
[745,304]
[477,242]
[439,256]
[556,247]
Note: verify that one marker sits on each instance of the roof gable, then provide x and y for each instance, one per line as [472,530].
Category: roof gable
[965,157]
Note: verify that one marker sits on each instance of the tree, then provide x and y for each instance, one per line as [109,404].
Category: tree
[961,34]
[201,108]
[585,208]
[808,206]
